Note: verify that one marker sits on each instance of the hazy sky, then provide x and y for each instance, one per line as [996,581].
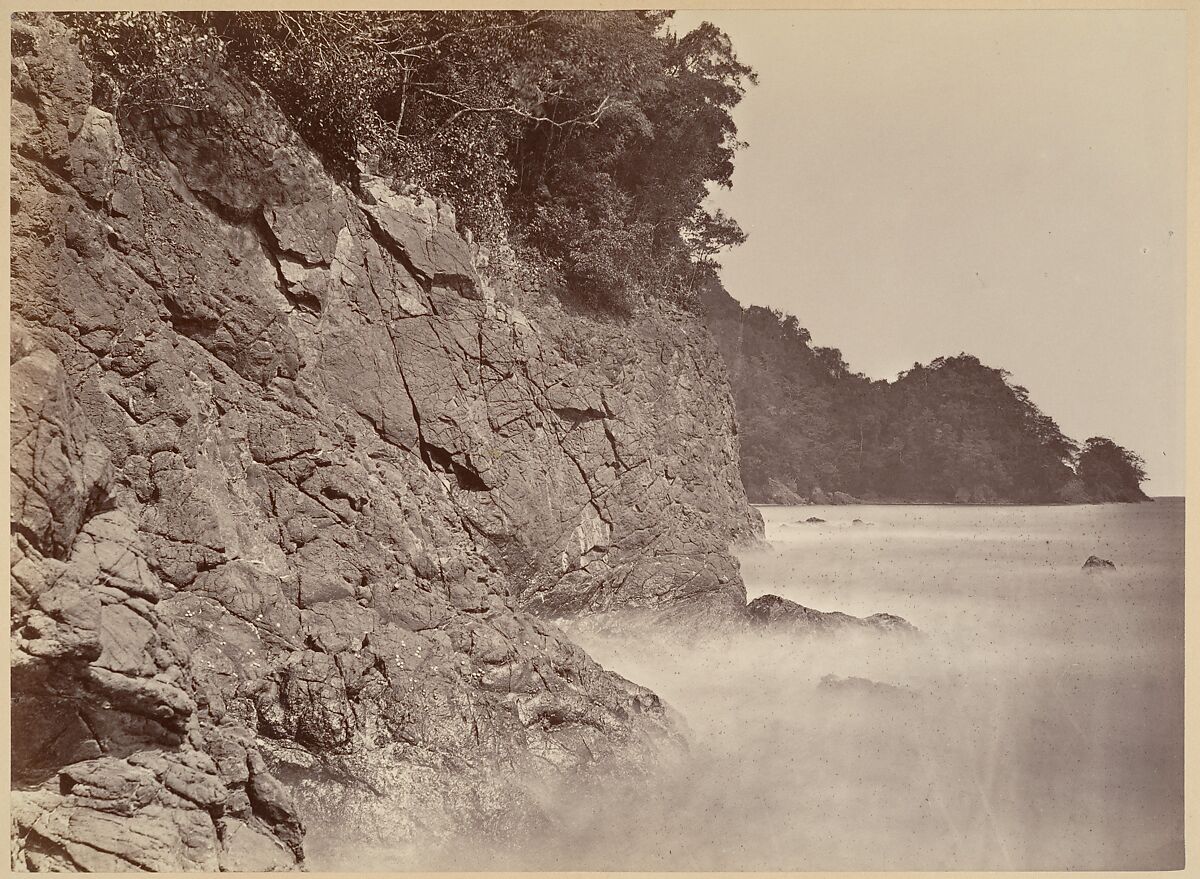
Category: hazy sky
[1009,184]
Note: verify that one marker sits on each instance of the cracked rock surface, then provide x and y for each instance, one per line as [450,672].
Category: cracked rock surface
[115,766]
[296,498]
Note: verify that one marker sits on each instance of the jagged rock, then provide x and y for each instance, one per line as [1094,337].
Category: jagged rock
[281,464]
[835,498]
[108,755]
[1095,563]
[422,233]
[772,610]
[56,470]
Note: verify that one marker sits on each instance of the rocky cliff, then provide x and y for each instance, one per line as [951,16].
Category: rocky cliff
[296,494]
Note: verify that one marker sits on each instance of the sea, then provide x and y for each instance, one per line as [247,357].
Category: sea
[1035,722]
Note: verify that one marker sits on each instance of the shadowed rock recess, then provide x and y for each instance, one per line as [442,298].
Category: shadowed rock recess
[295,497]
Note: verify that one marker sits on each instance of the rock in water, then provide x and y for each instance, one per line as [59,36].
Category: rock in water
[812,520]
[864,686]
[1095,563]
[772,610]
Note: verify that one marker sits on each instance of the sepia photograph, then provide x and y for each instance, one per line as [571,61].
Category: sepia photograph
[571,440]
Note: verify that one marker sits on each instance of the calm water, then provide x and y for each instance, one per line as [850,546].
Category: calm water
[1038,724]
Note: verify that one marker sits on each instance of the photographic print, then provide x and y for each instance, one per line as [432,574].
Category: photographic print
[580,440]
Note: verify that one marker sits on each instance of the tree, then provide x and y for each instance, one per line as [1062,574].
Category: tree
[1110,472]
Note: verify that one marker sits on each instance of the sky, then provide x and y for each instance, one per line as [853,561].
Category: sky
[1006,183]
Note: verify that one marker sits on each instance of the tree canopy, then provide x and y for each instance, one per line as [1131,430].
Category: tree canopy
[588,139]
[1110,472]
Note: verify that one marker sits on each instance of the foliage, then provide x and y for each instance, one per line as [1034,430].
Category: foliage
[591,137]
[1110,472]
[954,430]
[152,60]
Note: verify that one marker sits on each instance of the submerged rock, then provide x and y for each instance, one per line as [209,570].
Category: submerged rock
[812,520]
[772,610]
[1095,564]
[865,686]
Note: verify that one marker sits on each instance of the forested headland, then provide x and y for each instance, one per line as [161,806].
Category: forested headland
[951,431]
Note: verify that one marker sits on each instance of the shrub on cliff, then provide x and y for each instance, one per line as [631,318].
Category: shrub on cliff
[589,137]
[148,60]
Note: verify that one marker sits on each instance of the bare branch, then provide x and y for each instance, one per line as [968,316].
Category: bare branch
[587,120]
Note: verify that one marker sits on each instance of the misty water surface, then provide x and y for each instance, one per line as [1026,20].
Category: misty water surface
[1037,724]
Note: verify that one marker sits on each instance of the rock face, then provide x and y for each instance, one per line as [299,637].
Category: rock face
[116,768]
[772,610]
[290,482]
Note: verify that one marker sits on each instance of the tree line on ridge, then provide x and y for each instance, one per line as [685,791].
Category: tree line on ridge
[953,430]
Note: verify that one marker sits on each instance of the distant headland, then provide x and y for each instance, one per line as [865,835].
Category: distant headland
[951,431]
